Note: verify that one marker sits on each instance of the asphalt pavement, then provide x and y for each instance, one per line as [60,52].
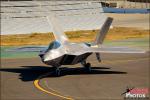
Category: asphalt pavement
[30,79]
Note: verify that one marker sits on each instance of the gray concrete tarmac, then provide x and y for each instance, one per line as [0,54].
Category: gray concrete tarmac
[107,81]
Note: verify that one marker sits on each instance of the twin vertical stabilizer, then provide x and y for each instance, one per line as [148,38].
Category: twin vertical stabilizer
[103,31]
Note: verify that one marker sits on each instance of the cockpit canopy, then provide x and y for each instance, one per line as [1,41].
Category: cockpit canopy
[54,45]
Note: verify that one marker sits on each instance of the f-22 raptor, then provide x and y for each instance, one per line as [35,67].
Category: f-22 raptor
[62,52]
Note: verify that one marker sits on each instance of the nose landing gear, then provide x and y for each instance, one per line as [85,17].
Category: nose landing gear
[56,70]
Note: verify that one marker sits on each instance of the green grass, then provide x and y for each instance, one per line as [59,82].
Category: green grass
[7,54]
[142,43]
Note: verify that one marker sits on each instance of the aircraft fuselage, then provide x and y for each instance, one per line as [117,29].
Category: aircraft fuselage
[67,59]
[69,54]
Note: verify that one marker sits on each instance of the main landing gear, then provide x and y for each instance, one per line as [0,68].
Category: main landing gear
[87,66]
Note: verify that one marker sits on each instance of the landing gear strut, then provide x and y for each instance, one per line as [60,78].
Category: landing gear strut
[57,71]
[87,66]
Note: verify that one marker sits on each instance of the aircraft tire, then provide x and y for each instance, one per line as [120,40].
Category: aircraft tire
[88,67]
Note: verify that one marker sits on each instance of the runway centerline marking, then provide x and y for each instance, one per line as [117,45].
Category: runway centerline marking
[39,87]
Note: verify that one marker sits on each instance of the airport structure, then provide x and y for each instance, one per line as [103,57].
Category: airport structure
[29,16]
[19,17]
[128,3]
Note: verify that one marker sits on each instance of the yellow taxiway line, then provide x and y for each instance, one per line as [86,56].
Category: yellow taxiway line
[37,85]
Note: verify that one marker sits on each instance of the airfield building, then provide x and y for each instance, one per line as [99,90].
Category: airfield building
[26,16]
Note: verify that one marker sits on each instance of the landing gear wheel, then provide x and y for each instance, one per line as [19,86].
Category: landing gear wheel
[88,67]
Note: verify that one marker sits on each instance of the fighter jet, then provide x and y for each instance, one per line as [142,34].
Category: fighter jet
[62,52]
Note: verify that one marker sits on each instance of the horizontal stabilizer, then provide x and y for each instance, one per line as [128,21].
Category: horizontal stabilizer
[105,49]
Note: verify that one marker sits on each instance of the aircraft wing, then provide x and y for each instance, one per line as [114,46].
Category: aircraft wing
[108,49]
[28,49]
[57,29]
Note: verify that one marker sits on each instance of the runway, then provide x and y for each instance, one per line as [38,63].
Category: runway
[29,78]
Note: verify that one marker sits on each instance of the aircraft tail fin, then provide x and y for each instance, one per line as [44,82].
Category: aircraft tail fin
[102,34]
[57,29]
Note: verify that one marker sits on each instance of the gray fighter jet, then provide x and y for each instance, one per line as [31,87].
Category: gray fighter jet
[62,52]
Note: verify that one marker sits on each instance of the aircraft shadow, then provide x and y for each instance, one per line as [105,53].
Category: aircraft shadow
[30,73]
